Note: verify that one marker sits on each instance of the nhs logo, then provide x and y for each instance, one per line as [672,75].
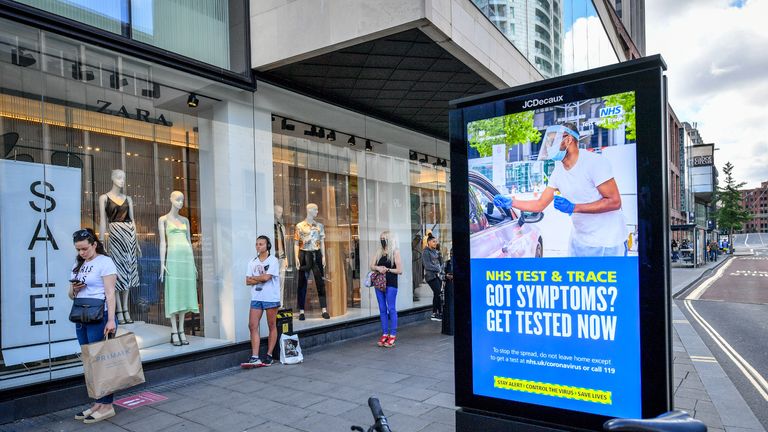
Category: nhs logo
[611,111]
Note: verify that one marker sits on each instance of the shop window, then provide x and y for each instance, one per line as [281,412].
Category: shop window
[65,142]
[358,194]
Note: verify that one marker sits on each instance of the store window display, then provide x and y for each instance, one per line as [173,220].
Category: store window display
[116,220]
[177,268]
[358,194]
[135,180]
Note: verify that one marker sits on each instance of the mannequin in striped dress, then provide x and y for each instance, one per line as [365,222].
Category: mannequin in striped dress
[116,221]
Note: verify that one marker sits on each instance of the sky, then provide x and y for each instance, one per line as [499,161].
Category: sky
[717,57]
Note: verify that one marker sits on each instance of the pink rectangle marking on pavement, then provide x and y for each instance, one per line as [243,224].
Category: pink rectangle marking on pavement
[138,400]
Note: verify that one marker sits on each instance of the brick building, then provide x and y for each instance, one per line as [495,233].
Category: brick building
[756,202]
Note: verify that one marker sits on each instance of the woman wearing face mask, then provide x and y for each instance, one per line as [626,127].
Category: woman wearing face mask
[387,261]
[95,274]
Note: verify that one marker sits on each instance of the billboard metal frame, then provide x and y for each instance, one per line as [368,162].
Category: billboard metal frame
[646,78]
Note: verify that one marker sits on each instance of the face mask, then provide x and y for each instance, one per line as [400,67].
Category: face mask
[558,156]
[383,243]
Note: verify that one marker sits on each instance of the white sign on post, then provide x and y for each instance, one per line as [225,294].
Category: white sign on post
[39,211]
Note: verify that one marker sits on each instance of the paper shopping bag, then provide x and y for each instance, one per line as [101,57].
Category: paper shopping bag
[112,365]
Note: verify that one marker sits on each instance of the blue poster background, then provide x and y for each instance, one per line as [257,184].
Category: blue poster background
[621,355]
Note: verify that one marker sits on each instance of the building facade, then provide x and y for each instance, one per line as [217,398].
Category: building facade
[698,182]
[252,112]
[755,201]
[632,15]
[675,159]
[535,27]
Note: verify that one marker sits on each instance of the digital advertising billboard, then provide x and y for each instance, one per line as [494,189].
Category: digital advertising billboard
[559,213]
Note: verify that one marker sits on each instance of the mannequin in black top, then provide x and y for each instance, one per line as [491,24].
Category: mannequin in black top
[116,221]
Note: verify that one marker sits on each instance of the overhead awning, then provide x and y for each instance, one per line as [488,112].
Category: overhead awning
[405,78]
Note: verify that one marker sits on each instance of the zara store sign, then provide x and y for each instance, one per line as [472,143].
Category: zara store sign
[139,114]
[39,210]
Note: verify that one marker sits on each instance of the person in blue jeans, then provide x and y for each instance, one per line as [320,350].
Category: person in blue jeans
[94,276]
[387,261]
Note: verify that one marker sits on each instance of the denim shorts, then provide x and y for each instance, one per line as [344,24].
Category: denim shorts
[258,304]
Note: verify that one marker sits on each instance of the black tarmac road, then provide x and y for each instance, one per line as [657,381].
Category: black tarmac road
[734,308]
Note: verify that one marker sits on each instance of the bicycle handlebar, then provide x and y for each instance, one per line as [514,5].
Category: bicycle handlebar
[672,421]
[381,424]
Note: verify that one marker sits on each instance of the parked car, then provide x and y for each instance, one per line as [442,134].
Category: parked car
[497,232]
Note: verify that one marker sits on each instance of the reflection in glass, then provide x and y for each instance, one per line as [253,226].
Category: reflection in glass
[209,31]
[556,36]
[109,15]
[199,30]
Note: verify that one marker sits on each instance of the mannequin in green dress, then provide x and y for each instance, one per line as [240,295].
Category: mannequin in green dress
[177,268]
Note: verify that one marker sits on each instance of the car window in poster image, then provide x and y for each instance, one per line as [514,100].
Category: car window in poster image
[555,182]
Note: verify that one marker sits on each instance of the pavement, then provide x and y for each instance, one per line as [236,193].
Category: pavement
[414,382]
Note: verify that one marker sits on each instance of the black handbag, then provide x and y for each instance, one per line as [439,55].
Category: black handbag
[87,310]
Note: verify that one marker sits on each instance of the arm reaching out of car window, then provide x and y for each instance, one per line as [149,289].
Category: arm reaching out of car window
[534,206]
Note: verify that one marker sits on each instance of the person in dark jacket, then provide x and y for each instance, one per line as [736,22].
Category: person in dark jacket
[433,268]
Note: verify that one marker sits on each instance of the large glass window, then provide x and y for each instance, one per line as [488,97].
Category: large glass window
[359,195]
[73,119]
[211,31]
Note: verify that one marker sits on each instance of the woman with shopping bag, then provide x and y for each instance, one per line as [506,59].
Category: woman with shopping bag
[92,289]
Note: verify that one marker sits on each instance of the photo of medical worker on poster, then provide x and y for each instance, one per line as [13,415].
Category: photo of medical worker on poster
[557,181]
[553,256]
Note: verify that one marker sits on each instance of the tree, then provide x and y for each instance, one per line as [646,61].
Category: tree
[730,215]
[627,118]
[511,130]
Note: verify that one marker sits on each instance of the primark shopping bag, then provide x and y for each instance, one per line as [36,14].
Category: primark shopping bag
[112,365]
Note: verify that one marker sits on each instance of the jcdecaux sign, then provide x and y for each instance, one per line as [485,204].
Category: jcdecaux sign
[561,297]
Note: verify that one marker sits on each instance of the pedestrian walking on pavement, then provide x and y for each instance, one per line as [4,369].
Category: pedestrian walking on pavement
[263,277]
[675,251]
[713,251]
[387,262]
[93,280]
[433,268]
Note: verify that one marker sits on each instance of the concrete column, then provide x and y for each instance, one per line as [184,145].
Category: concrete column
[236,197]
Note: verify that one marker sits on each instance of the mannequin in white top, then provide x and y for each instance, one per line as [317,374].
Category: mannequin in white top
[309,251]
[117,227]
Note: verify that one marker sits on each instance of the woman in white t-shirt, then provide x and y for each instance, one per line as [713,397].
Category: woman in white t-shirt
[263,277]
[95,274]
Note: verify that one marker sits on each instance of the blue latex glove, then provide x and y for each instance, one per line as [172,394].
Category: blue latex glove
[564,205]
[502,201]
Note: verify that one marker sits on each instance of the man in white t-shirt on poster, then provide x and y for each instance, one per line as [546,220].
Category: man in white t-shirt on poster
[263,277]
[582,186]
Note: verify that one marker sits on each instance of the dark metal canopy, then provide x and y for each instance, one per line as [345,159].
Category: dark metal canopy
[405,78]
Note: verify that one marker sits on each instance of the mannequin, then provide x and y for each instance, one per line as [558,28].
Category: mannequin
[116,225]
[309,251]
[280,254]
[177,268]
